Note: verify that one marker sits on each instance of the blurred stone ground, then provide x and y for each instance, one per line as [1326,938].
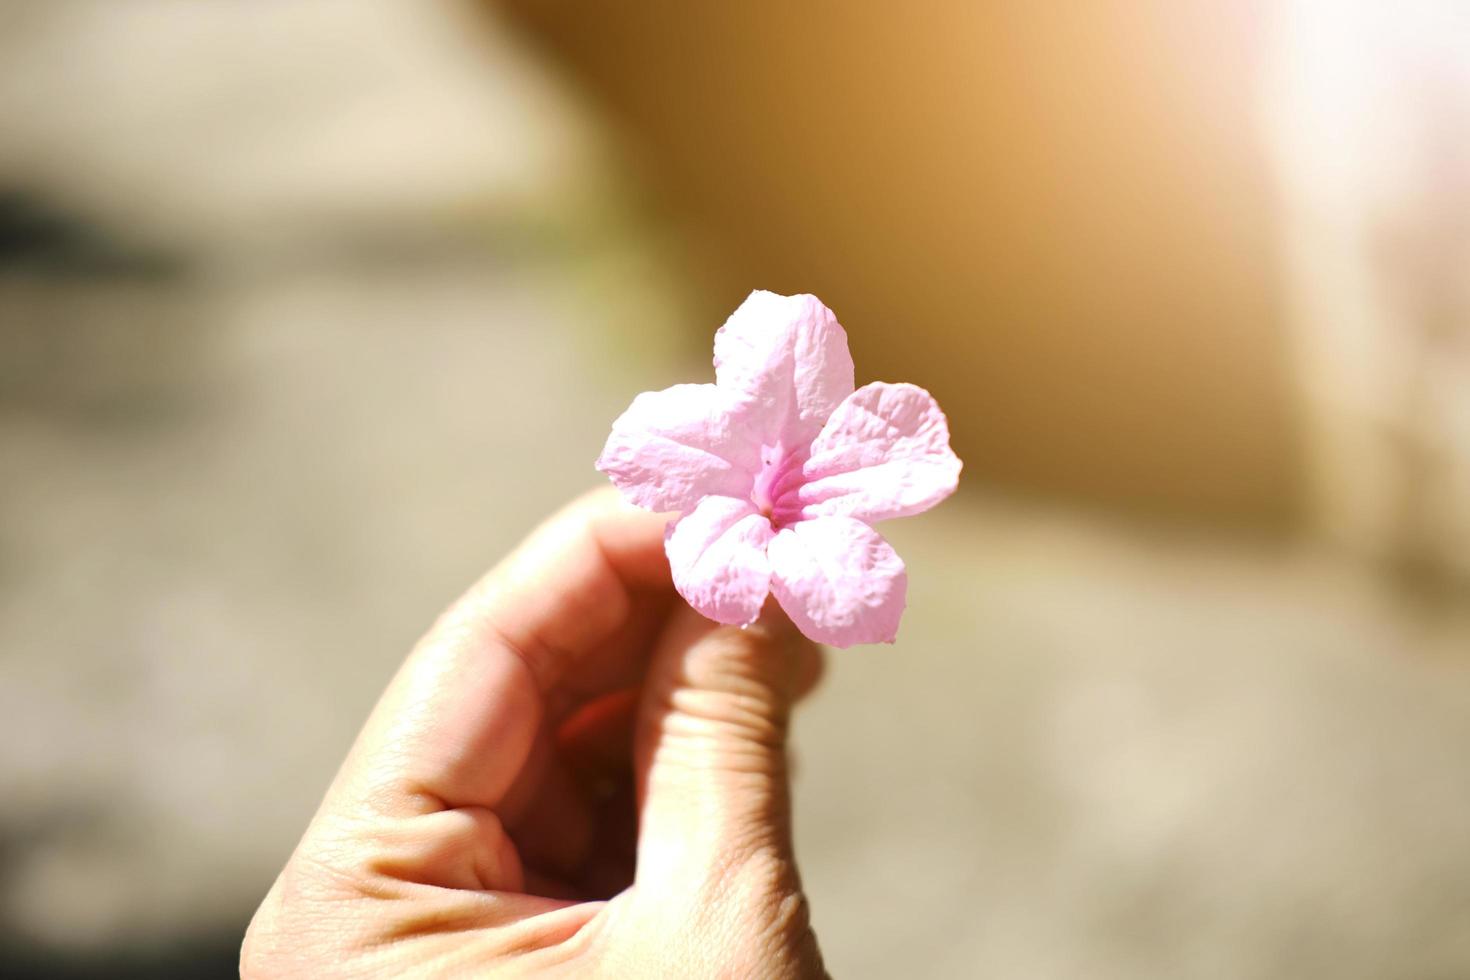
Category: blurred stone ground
[308,315]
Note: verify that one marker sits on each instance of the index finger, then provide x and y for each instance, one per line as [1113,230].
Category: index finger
[567,587]
[457,722]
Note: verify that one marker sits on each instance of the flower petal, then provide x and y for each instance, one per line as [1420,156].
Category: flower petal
[839,581]
[884,453]
[672,447]
[717,553]
[788,355]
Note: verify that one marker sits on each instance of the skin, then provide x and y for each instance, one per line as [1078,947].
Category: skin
[571,774]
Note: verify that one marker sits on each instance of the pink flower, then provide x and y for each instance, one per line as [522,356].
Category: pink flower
[779,470]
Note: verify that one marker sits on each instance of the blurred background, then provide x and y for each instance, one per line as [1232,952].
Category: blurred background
[310,308]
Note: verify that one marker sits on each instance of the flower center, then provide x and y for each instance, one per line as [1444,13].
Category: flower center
[780,475]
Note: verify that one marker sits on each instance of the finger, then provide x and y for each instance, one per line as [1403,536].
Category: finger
[546,813]
[567,587]
[596,741]
[811,665]
[711,756]
[616,665]
[597,738]
[457,723]
[614,854]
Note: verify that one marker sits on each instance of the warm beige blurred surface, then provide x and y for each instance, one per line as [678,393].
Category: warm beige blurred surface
[308,313]
[1058,214]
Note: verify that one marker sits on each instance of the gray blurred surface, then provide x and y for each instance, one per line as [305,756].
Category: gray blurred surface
[1093,753]
[260,419]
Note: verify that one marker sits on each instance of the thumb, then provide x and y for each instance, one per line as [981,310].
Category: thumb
[714,787]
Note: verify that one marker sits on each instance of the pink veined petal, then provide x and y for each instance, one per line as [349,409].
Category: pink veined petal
[884,453]
[839,581]
[717,553]
[788,356]
[672,447]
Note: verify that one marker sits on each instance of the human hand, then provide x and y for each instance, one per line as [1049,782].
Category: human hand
[572,774]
